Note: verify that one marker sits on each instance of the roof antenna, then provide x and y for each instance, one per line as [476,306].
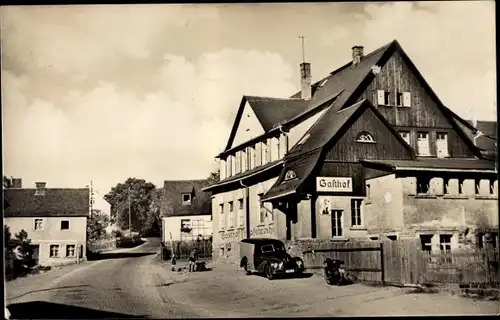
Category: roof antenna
[303,48]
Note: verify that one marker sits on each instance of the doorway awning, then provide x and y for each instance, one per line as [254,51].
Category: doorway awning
[294,173]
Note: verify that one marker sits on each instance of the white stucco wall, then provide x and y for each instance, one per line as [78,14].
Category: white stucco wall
[248,128]
[200,224]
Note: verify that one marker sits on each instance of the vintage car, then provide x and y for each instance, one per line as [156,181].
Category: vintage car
[268,257]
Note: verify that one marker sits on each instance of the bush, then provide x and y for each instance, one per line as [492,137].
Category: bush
[129,241]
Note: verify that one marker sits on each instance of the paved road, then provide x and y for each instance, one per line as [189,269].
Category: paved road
[135,283]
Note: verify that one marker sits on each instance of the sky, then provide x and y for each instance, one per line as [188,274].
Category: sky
[104,93]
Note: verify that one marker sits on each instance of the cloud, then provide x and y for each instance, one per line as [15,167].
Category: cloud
[108,133]
[452,43]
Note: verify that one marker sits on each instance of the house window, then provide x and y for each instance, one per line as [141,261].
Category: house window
[365,137]
[405,135]
[54,250]
[337,223]
[403,99]
[423,185]
[442,144]
[383,97]
[221,206]
[426,242]
[477,186]
[38,224]
[238,162]
[231,214]
[70,250]
[393,237]
[240,212]
[356,212]
[445,243]
[290,175]
[263,214]
[65,225]
[399,99]
[258,154]
[423,144]
[265,153]
[186,198]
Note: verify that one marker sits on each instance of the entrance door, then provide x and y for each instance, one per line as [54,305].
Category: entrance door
[35,253]
[337,223]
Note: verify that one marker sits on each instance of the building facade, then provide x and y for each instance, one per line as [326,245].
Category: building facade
[367,152]
[55,220]
[186,211]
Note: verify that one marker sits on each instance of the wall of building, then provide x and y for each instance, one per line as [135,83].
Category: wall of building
[52,235]
[200,224]
[248,128]
[324,207]
[226,238]
[383,207]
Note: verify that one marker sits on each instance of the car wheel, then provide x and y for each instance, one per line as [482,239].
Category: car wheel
[268,271]
[247,272]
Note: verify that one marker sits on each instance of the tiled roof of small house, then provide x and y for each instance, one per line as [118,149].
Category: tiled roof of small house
[171,198]
[54,202]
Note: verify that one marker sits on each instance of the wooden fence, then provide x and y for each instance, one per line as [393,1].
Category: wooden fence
[404,262]
[363,259]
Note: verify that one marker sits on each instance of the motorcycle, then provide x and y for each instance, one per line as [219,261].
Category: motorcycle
[335,274]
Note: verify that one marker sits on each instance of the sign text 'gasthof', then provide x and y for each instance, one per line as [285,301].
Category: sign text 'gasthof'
[333,184]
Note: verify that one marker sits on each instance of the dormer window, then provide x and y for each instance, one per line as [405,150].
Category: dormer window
[186,198]
[290,175]
[365,137]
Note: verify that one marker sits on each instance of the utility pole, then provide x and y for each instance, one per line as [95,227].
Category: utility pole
[129,214]
[91,198]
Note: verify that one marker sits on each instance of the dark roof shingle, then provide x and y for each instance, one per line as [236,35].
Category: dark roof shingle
[54,203]
[272,112]
[171,198]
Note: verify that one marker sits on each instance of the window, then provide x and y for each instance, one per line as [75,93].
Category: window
[399,99]
[403,99]
[186,198]
[240,212]
[54,250]
[265,153]
[243,158]
[238,162]
[186,225]
[250,158]
[393,237]
[383,97]
[442,144]
[423,144]
[477,186]
[365,137]
[356,212]
[70,250]
[65,225]
[492,186]
[231,215]
[290,175]
[426,242]
[405,135]
[221,206]
[38,225]
[423,185]
[263,209]
[445,245]
[337,223]
[267,248]
[258,154]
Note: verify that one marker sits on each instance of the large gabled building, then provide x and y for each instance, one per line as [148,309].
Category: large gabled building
[367,152]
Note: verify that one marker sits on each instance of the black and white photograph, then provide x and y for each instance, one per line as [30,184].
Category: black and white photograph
[189,160]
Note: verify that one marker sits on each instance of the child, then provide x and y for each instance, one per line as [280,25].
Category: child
[192,260]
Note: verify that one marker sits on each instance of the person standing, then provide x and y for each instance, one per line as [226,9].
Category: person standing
[193,256]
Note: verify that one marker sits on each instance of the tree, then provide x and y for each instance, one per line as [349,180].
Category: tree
[96,226]
[153,222]
[24,249]
[214,177]
[141,195]
[7,235]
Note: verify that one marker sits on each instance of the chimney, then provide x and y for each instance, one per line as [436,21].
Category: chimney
[305,80]
[40,188]
[17,183]
[357,55]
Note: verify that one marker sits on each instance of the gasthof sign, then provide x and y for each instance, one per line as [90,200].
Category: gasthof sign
[334,184]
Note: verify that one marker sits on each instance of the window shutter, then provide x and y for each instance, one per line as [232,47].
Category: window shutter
[406,99]
[380,97]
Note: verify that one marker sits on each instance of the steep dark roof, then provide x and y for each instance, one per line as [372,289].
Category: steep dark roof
[54,203]
[488,128]
[171,198]
[434,164]
[273,111]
